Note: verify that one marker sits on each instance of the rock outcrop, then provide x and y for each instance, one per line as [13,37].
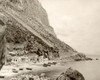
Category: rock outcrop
[71,74]
[2,43]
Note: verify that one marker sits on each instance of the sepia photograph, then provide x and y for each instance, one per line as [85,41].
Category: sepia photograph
[49,40]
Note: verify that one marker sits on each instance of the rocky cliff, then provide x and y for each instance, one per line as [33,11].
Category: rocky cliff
[2,43]
[28,28]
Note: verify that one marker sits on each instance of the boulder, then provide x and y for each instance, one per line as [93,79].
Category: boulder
[71,74]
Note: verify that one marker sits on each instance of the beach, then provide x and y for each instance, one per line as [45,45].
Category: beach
[87,68]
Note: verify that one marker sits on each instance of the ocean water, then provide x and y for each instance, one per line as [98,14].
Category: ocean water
[89,69]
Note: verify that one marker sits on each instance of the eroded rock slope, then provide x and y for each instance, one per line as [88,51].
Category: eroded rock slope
[27,25]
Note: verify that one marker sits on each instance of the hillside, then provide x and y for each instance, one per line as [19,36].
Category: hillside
[28,26]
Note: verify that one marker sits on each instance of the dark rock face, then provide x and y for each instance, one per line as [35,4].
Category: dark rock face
[2,44]
[71,74]
[80,57]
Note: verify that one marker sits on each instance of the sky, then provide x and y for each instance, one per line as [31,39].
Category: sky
[76,22]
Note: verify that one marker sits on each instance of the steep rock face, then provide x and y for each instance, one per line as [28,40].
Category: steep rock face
[30,12]
[2,44]
[28,25]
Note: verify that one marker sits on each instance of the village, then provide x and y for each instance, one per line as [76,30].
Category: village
[20,65]
[25,57]
[21,62]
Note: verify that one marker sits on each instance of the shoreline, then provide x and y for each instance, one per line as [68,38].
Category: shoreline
[37,70]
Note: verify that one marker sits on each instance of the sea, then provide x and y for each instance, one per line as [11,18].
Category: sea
[89,69]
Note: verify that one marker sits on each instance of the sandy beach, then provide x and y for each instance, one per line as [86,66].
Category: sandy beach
[37,69]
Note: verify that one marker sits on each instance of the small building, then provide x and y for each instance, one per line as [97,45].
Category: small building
[25,59]
[34,58]
[16,60]
[41,59]
[12,53]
